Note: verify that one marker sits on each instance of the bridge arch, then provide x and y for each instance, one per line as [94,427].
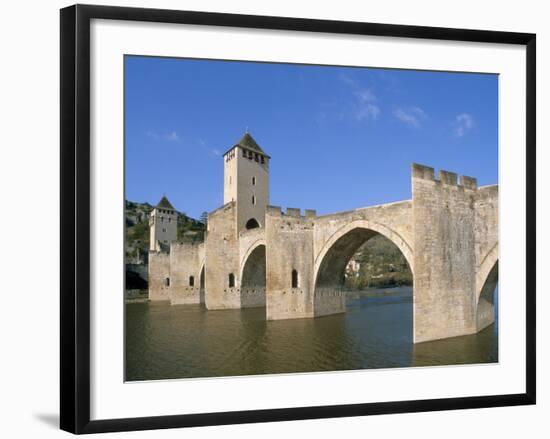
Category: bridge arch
[486,282]
[202,289]
[484,270]
[253,275]
[357,233]
[252,223]
[246,254]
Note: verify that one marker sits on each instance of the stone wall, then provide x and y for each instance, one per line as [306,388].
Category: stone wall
[159,271]
[289,246]
[252,297]
[222,256]
[329,301]
[186,262]
[444,254]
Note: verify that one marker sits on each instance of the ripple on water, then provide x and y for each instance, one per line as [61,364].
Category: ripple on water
[167,342]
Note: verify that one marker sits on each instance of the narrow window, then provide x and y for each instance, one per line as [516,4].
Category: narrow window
[250,155]
[253,199]
[256,157]
[191,281]
[244,153]
[169,220]
[294,279]
[231,280]
[163,230]
[167,282]
[230,179]
[161,219]
[262,160]
[253,181]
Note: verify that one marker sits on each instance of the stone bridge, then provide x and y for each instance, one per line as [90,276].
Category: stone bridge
[294,264]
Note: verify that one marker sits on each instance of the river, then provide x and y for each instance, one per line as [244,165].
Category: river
[182,341]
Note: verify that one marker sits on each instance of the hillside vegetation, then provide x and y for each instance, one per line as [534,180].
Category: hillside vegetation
[378,263]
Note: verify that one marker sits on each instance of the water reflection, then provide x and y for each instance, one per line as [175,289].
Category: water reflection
[164,341]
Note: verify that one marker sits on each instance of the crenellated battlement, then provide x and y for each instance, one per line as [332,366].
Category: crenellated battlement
[423,172]
[468,182]
[448,177]
[293,212]
[445,177]
[273,210]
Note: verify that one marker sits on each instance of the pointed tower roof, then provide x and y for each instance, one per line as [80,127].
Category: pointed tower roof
[248,142]
[164,203]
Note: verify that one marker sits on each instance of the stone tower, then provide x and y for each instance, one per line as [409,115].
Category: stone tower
[163,225]
[246,182]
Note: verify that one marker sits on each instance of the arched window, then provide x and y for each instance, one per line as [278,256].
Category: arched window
[294,279]
[252,224]
[253,181]
[167,282]
[253,199]
[191,281]
[231,280]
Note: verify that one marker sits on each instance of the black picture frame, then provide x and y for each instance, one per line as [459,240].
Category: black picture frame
[75,217]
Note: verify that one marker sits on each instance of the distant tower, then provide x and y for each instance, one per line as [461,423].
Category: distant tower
[163,225]
[246,181]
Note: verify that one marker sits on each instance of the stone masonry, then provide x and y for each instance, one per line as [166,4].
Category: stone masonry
[293,264]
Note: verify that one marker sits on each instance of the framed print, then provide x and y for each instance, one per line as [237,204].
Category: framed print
[304,218]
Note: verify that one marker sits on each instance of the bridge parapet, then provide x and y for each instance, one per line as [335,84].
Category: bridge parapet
[445,177]
[293,212]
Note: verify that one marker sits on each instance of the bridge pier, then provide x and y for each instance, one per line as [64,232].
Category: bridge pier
[447,240]
[289,247]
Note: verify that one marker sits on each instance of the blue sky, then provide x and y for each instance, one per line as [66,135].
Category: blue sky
[339,137]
